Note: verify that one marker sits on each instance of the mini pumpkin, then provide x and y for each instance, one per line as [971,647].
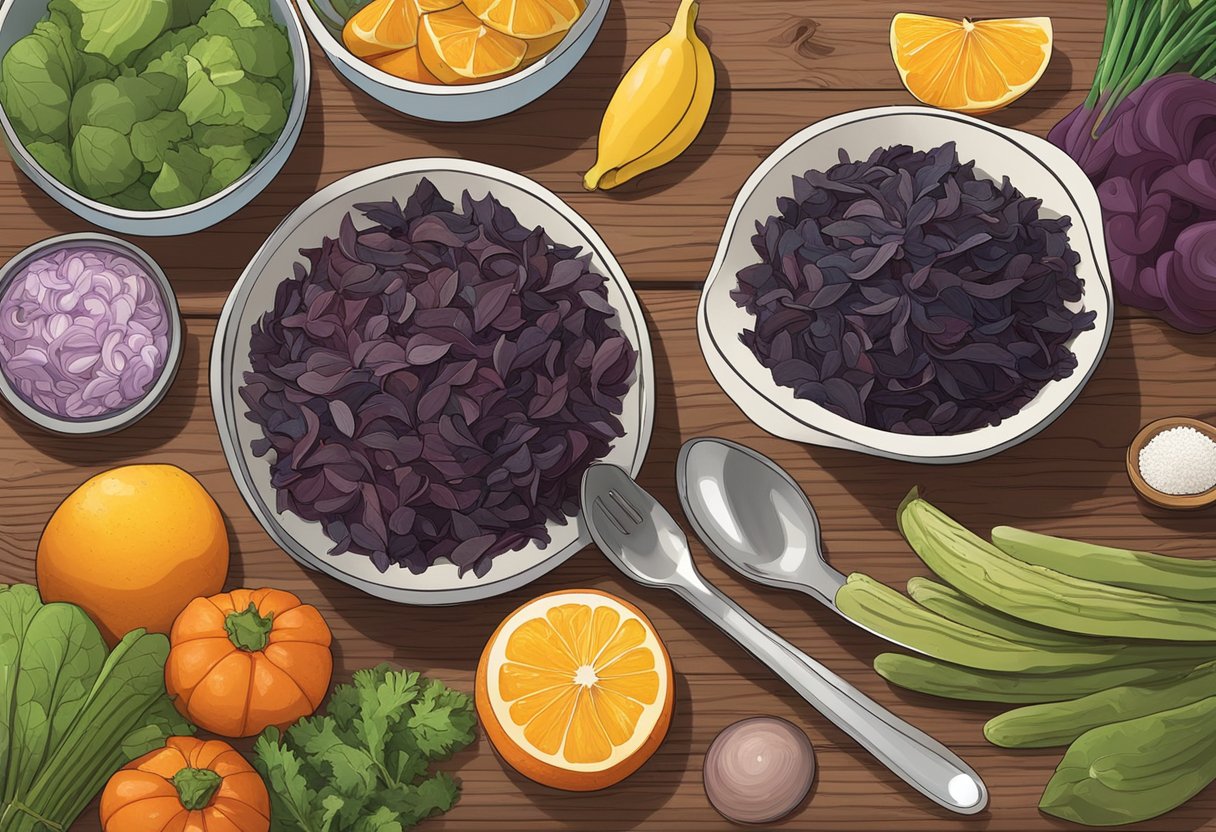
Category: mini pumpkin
[243,660]
[187,785]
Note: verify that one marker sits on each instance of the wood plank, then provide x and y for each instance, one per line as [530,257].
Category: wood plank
[1069,480]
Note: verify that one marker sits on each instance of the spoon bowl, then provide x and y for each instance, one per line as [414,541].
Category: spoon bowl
[754,517]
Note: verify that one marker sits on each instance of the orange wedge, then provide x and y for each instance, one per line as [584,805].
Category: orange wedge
[459,49]
[406,64]
[527,18]
[574,689]
[382,27]
[970,66]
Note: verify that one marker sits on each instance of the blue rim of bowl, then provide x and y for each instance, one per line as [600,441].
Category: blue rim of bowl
[301,82]
[323,31]
[135,411]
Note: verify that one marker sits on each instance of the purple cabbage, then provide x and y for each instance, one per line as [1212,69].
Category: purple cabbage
[1153,162]
[435,385]
[905,293]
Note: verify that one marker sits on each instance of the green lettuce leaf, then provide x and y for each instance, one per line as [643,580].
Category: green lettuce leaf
[118,29]
[102,161]
[36,88]
[55,159]
[153,138]
[183,174]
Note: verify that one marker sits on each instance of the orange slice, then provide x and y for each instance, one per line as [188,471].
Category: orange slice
[527,18]
[382,27]
[540,47]
[574,689]
[405,64]
[970,66]
[459,49]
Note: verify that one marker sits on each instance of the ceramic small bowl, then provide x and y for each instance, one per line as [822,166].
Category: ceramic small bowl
[132,413]
[1174,501]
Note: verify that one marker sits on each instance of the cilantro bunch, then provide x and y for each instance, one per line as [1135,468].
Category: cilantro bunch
[149,104]
[365,765]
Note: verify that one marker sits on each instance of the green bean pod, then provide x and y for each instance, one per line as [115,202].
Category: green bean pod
[1189,579]
[1059,723]
[1044,596]
[950,681]
[897,618]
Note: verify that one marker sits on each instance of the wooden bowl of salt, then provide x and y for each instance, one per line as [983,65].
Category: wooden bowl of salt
[1172,463]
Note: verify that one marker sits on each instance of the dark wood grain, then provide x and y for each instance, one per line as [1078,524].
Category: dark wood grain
[781,66]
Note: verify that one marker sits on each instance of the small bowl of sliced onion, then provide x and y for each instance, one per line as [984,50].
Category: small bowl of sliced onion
[90,334]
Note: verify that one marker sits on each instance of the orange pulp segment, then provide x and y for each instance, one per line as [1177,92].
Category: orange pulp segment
[970,66]
[527,18]
[459,49]
[381,27]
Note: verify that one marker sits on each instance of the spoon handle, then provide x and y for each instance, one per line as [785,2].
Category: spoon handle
[923,762]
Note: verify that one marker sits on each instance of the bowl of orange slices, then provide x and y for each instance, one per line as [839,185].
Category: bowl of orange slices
[454,60]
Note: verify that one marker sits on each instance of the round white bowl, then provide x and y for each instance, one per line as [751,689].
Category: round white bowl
[471,102]
[1034,166]
[135,411]
[253,295]
[17,19]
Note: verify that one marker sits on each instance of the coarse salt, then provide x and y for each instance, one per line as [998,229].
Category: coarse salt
[1179,461]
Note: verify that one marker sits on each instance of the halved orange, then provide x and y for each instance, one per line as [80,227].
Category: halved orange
[382,27]
[459,49]
[970,66]
[574,689]
[527,18]
[407,64]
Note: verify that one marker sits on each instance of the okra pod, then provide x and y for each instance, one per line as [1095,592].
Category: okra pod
[1189,579]
[951,681]
[1044,596]
[1059,723]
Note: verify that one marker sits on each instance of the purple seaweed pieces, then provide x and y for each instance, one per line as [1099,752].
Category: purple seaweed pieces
[434,386]
[904,293]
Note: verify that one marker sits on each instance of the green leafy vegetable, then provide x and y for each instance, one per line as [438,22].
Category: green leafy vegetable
[37,88]
[183,174]
[140,74]
[102,161]
[365,766]
[71,715]
[117,29]
[153,138]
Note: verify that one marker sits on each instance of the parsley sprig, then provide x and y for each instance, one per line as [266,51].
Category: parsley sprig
[366,765]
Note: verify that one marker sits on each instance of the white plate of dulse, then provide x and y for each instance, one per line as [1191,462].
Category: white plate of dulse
[442,582]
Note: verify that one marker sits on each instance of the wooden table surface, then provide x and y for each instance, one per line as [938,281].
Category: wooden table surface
[781,65]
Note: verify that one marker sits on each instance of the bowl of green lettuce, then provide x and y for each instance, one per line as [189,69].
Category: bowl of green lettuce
[152,117]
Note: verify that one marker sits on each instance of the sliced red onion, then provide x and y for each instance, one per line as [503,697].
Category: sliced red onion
[83,332]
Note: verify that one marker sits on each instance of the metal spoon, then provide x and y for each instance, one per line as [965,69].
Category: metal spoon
[754,518]
[645,542]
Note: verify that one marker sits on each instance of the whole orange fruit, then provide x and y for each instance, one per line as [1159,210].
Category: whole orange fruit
[132,546]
